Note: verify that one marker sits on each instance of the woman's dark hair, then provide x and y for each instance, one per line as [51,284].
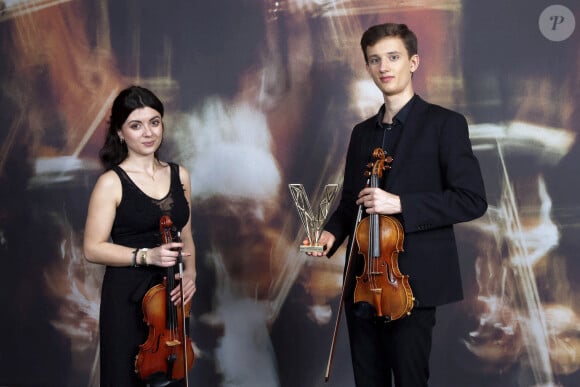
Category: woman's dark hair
[114,151]
[376,33]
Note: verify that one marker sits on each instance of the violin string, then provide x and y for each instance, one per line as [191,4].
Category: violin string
[386,127]
[370,252]
[373,225]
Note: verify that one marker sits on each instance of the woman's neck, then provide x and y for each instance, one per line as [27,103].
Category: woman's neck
[147,166]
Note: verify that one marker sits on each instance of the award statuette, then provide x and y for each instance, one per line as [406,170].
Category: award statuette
[312,222]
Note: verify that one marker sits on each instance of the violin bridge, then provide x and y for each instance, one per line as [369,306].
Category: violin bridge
[173,343]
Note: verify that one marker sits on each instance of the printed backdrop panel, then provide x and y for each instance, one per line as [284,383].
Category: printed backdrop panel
[260,94]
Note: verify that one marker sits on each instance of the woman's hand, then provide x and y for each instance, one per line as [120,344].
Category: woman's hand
[189,288]
[165,255]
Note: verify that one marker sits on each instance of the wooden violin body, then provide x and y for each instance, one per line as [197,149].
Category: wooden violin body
[380,239]
[161,356]
[381,283]
[167,354]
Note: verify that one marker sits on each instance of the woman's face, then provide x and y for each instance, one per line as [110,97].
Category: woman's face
[142,131]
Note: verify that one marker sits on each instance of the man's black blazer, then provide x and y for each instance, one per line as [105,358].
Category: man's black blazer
[439,182]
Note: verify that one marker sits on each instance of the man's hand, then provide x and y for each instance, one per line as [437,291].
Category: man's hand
[326,240]
[377,201]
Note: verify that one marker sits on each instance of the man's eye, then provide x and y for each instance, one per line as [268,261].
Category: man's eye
[393,58]
[374,61]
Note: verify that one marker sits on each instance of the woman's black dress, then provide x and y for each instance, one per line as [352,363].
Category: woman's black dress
[136,225]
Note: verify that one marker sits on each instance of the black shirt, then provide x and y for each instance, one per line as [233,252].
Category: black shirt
[376,134]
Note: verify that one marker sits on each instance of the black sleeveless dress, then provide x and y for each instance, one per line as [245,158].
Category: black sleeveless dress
[136,225]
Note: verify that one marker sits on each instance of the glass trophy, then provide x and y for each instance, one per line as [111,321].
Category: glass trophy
[313,222]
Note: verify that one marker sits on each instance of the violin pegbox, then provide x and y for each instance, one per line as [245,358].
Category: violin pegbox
[381,164]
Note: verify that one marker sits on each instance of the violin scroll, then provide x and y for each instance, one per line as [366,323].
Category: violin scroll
[381,164]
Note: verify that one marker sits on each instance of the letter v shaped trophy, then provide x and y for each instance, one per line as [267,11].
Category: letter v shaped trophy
[312,223]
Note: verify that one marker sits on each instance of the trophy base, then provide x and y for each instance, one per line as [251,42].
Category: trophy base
[311,248]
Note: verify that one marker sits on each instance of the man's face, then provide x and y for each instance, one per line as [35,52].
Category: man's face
[390,67]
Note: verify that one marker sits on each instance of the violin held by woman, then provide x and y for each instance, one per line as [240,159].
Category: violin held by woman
[167,355]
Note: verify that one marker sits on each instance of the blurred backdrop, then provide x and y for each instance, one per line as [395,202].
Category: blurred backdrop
[260,94]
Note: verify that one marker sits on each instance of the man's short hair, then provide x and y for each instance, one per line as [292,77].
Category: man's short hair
[380,31]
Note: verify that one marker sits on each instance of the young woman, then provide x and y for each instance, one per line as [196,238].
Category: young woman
[122,229]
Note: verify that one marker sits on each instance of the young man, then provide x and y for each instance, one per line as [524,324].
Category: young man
[435,182]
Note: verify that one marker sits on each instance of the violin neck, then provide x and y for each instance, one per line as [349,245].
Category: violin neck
[374,230]
[374,181]
[171,311]
[374,236]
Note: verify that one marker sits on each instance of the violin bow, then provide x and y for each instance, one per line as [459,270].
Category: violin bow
[180,267]
[341,302]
